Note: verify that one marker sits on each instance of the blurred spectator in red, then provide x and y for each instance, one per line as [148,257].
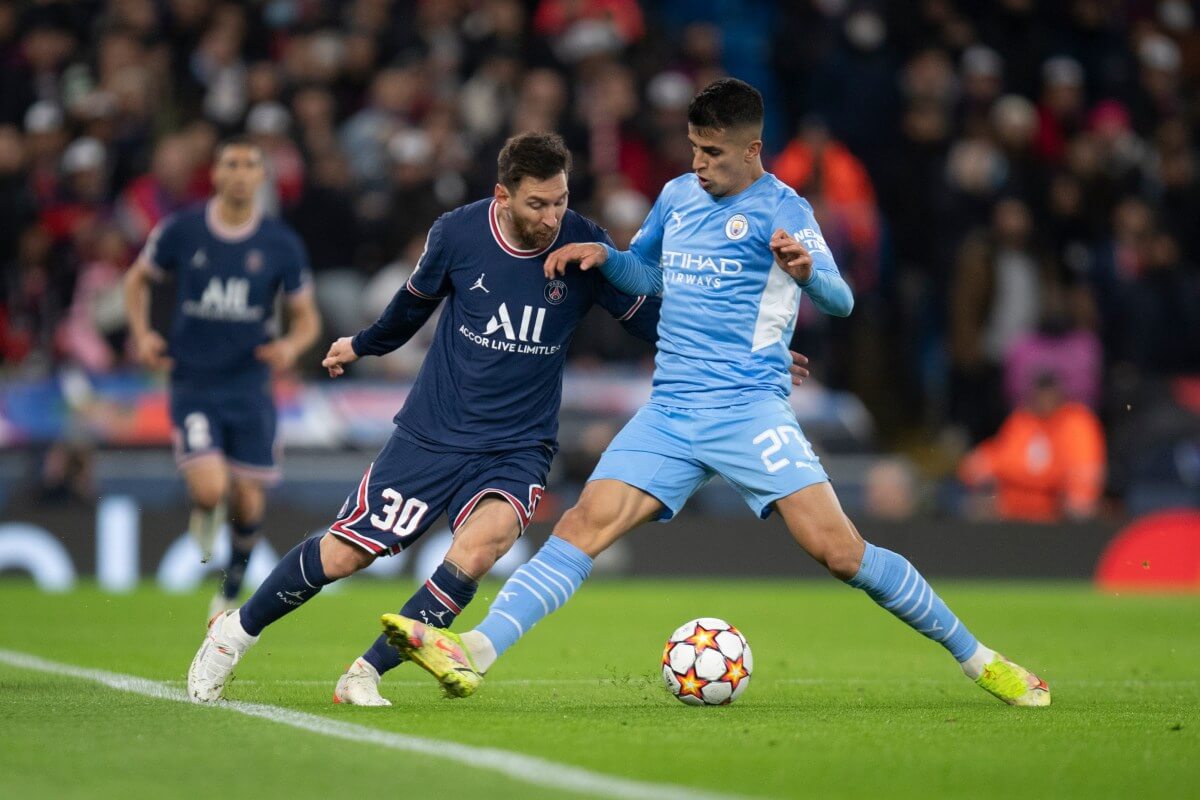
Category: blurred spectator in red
[555,18]
[165,189]
[1060,111]
[828,174]
[83,197]
[1046,463]
[93,331]
[268,125]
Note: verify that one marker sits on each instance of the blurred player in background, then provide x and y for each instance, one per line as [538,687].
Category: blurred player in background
[731,248]
[229,263]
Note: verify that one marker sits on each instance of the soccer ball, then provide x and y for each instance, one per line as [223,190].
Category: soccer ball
[707,662]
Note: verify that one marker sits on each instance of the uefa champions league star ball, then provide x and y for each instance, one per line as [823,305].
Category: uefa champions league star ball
[707,662]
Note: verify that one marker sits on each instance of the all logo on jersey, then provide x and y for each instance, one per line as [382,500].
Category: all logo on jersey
[254,261]
[501,321]
[224,299]
[556,292]
[513,334]
[737,227]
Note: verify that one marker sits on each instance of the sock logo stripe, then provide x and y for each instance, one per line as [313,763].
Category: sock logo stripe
[303,575]
[542,572]
[566,578]
[545,608]
[442,597]
[528,573]
[908,572]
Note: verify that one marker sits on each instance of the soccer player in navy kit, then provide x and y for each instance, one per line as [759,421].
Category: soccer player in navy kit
[229,264]
[476,436]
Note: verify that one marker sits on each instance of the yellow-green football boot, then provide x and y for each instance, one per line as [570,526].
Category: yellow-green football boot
[438,651]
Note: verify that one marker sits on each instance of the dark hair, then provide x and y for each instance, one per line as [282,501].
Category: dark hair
[536,155]
[726,103]
[240,140]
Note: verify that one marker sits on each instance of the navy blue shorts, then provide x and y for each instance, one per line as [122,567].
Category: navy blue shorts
[408,487]
[240,426]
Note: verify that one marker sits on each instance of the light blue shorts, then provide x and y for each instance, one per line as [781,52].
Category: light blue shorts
[758,448]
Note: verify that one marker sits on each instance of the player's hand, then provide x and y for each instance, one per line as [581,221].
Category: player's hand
[279,354]
[792,256]
[588,254]
[150,350]
[341,352]
[799,368]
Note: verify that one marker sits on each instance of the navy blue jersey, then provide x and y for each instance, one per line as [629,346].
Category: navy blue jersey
[492,379]
[227,280]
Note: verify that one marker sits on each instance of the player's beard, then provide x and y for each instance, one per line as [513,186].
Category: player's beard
[533,235]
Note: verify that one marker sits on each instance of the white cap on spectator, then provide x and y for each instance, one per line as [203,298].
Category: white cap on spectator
[626,208]
[587,38]
[43,117]
[670,90]
[268,118]
[410,146]
[83,154]
[982,61]
[1062,71]
[1013,112]
[1159,52]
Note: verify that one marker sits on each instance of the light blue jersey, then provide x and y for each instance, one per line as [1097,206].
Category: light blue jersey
[728,309]
[719,405]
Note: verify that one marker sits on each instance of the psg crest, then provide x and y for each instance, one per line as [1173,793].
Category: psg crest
[556,292]
[254,261]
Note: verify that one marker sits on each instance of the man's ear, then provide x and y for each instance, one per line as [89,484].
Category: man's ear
[754,150]
[502,196]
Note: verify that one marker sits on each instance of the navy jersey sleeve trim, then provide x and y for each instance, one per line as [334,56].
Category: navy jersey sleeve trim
[421,294]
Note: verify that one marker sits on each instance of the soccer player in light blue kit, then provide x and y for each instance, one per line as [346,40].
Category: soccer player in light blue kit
[731,248]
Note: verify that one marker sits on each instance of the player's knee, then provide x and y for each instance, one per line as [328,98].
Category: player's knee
[478,559]
[843,560]
[207,495]
[340,560]
[585,527]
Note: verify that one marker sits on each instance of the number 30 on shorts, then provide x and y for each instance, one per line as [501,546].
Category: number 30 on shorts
[398,516]
[776,439]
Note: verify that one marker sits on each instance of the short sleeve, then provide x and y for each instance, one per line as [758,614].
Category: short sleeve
[297,273]
[431,277]
[163,249]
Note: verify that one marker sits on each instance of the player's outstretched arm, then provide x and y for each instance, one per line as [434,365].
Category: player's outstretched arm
[622,268]
[828,290]
[403,317]
[341,353]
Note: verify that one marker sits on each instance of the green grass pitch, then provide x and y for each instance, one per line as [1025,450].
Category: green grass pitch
[845,701]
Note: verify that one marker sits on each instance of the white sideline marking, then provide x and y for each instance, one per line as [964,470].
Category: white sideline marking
[529,769]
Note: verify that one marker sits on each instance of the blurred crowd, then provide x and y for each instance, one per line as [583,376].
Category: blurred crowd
[1010,186]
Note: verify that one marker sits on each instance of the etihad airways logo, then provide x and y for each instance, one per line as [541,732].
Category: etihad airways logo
[524,337]
[692,269]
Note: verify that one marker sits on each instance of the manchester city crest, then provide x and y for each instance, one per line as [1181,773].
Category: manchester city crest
[556,292]
[737,227]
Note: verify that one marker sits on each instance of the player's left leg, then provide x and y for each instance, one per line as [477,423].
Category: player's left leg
[247,505]
[487,534]
[761,450]
[817,523]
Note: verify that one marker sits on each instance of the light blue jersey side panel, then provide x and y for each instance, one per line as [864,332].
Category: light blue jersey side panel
[728,310]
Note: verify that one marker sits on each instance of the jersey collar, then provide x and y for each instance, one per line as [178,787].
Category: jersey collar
[230,233]
[509,248]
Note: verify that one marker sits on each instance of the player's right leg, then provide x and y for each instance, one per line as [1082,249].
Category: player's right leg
[199,455]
